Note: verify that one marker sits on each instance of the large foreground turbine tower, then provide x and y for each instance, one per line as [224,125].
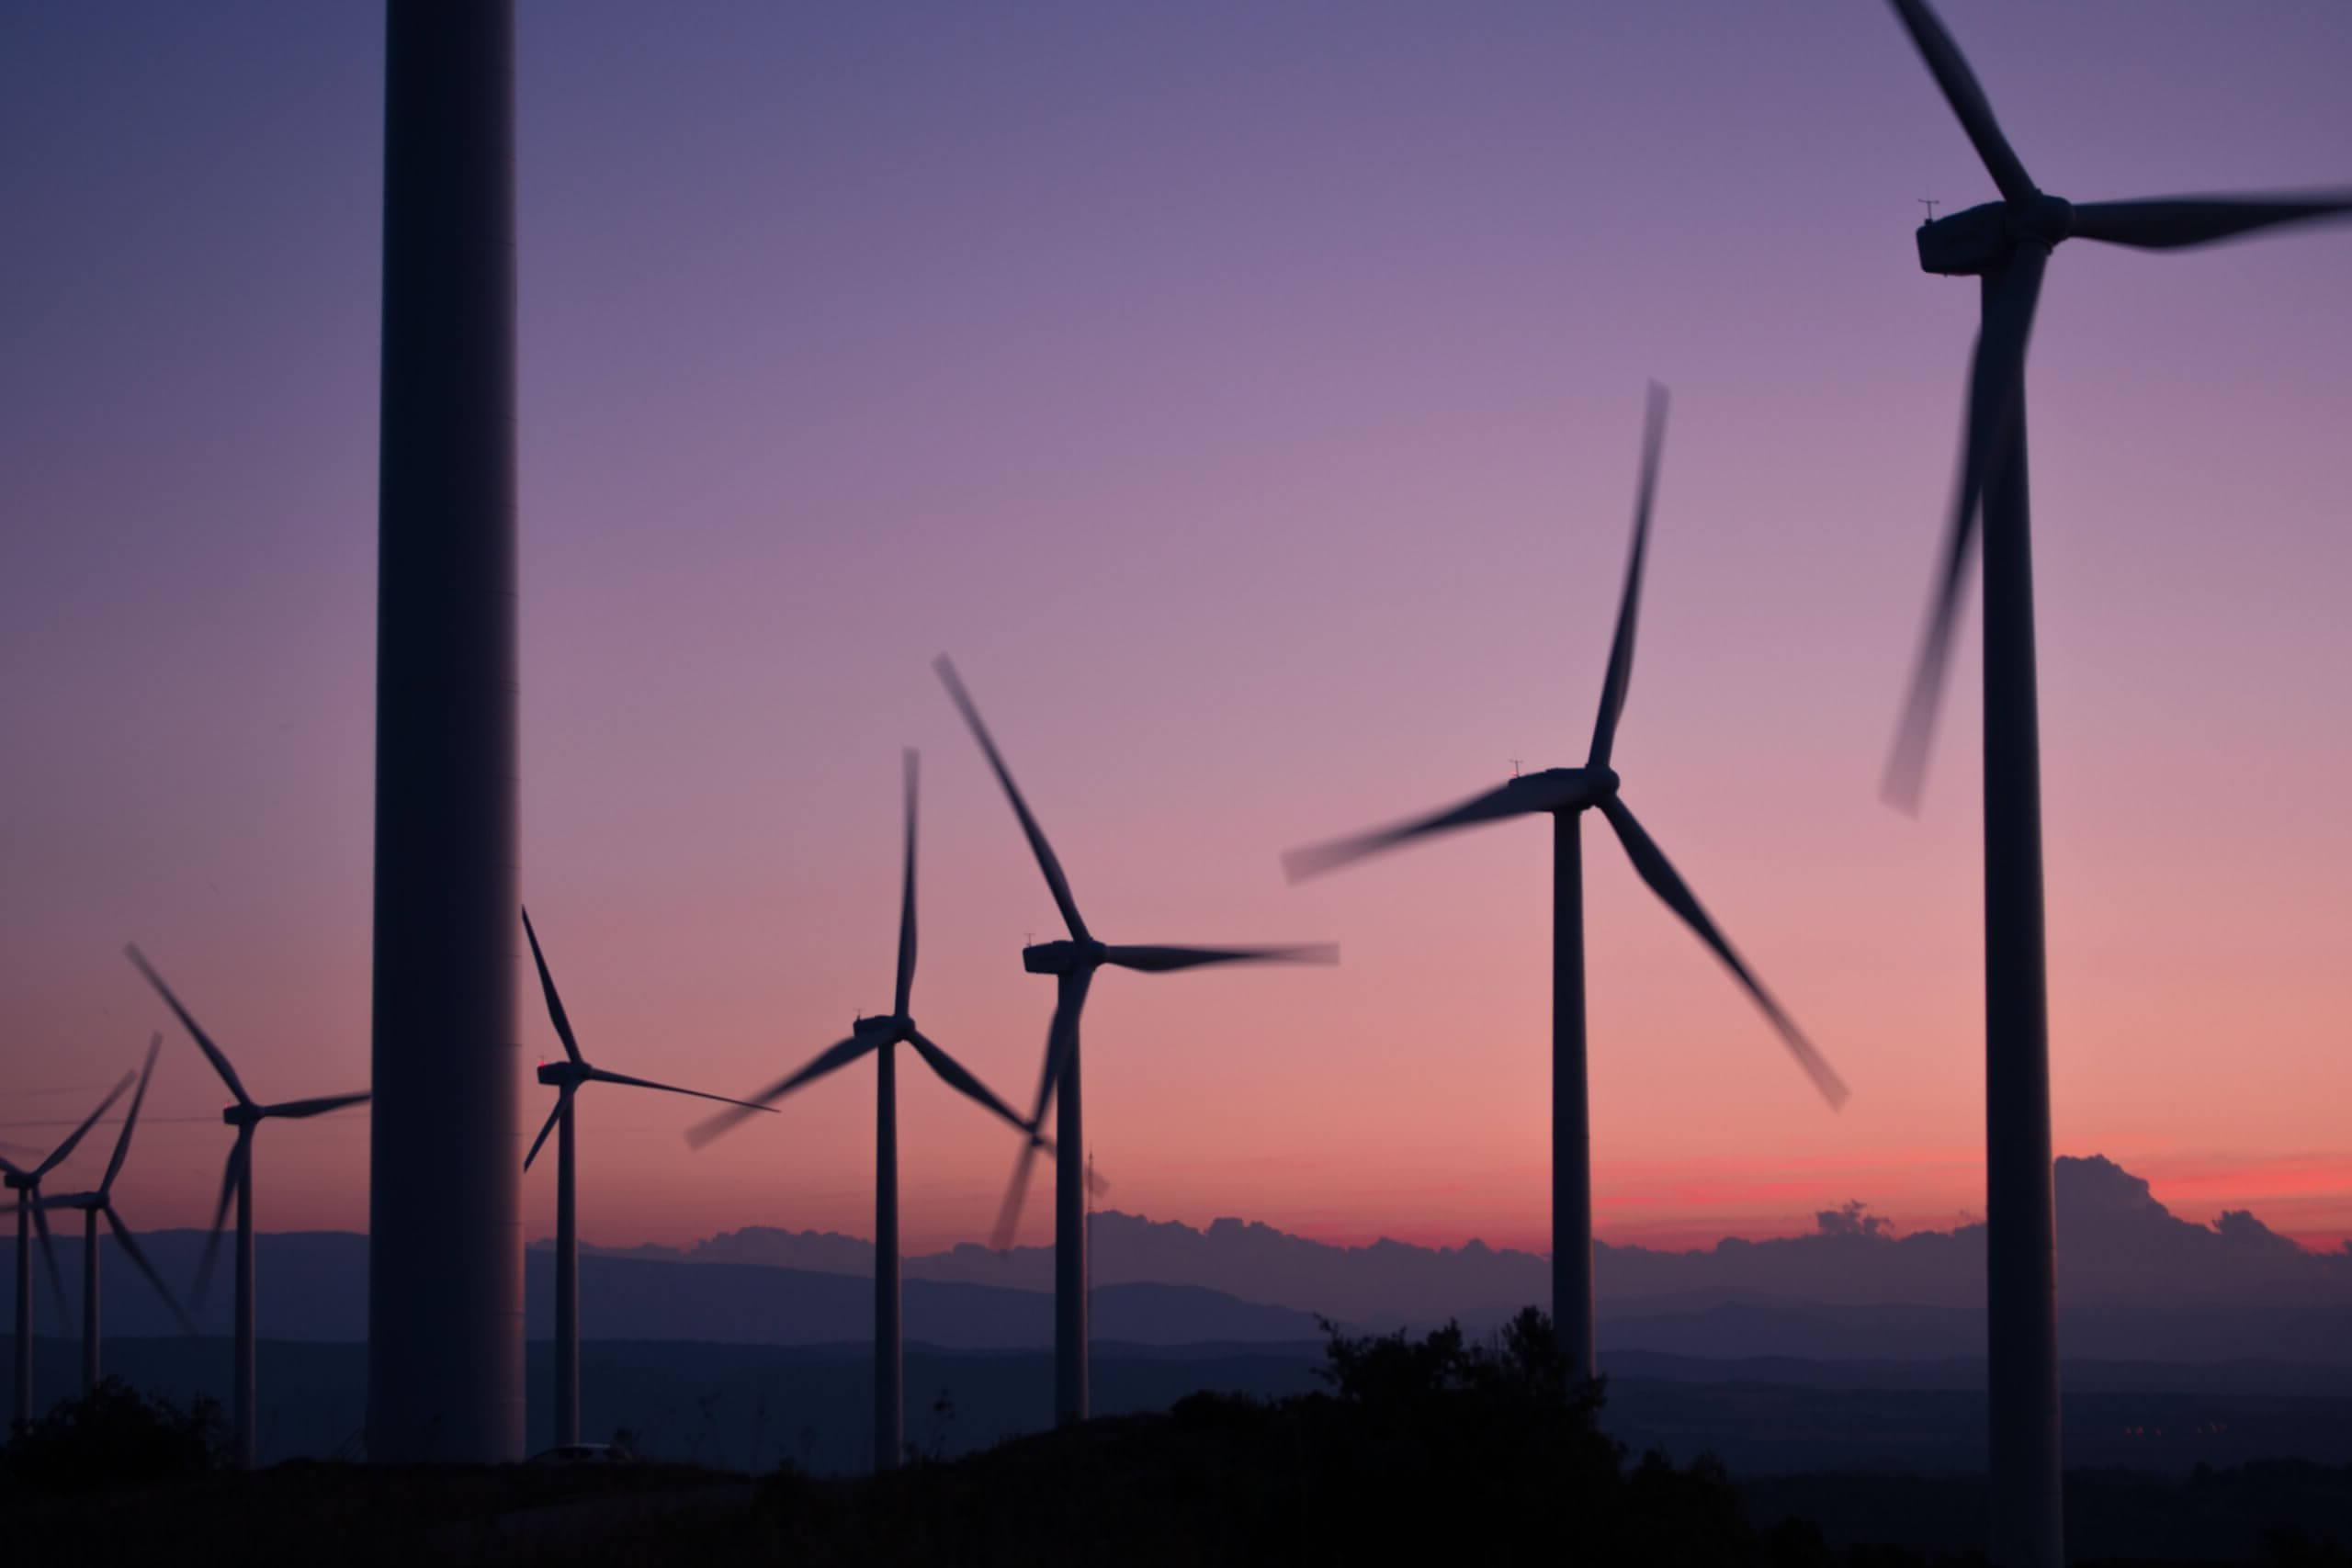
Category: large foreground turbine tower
[444,1237]
[2006,245]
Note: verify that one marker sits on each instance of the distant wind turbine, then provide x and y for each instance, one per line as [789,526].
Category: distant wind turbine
[246,1115]
[25,1185]
[100,1200]
[2006,245]
[1072,964]
[1563,795]
[567,1076]
[882,1036]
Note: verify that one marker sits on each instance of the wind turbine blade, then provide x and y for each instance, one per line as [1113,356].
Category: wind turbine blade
[1055,882]
[1008,1215]
[57,1155]
[1621,650]
[959,1078]
[1514,799]
[238,1154]
[1651,862]
[296,1110]
[827,1060]
[906,893]
[130,1248]
[1166,960]
[49,1262]
[1967,99]
[1061,1040]
[561,1019]
[562,1101]
[212,1053]
[2169,223]
[130,1122]
[600,1075]
[1993,390]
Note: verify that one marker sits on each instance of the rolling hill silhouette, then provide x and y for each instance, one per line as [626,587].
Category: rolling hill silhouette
[2140,1284]
[2123,1249]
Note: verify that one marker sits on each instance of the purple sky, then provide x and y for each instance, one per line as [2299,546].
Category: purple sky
[1249,397]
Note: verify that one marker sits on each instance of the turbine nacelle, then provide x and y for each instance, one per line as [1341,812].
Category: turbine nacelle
[558,1075]
[21,1181]
[1064,957]
[1567,789]
[1983,239]
[241,1116]
[891,1024]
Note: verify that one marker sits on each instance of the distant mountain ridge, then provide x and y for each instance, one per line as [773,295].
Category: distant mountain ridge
[2117,1247]
[2137,1283]
[313,1287]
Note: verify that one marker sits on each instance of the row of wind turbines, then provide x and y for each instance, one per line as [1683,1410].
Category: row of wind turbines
[1564,793]
[2005,244]
[32,1219]
[243,1112]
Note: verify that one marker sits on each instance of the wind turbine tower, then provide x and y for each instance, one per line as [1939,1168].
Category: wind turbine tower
[32,1218]
[444,1235]
[1564,795]
[246,1114]
[99,1204]
[567,1077]
[880,1037]
[2006,245]
[1072,962]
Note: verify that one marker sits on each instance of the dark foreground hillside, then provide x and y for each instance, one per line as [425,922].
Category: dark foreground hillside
[1432,1451]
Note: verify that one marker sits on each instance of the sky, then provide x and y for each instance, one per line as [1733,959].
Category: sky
[1249,398]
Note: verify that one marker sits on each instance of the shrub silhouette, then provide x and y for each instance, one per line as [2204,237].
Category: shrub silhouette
[1434,1449]
[114,1436]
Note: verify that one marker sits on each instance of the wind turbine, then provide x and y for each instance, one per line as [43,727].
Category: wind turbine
[101,1202]
[567,1076]
[881,1036]
[25,1185]
[1072,962]
[1564,795]
[246,1115]
[2006,245]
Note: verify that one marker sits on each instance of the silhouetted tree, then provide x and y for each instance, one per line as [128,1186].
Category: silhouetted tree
[114,1436]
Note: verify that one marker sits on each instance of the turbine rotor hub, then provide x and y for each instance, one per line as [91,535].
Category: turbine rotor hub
[1983,239]
[2047,220]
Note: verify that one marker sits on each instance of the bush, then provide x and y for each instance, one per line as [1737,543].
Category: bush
[115,1436]
[1433,1449]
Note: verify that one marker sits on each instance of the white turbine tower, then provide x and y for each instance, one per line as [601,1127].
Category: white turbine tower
[1564,795]
[246,1115]
[100,1201]
[1072,964]
[881,1037]
[26,1184]
[567,1076]
[2006,245]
